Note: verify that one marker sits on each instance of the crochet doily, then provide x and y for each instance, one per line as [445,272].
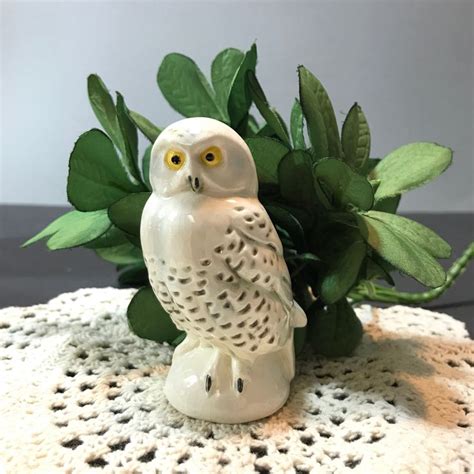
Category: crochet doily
[79,393]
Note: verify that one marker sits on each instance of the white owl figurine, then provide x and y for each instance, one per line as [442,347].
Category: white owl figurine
[216,265]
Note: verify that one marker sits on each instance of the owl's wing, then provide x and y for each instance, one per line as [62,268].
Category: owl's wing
[253,251]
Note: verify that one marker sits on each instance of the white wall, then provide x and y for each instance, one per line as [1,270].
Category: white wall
[409,64]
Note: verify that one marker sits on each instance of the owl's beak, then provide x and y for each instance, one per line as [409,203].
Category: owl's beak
[195,184]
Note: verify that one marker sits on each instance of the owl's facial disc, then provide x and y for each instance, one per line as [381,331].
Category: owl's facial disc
[202,155]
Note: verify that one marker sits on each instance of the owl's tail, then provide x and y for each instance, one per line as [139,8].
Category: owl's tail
[287,354]
[297,316]
[297,319]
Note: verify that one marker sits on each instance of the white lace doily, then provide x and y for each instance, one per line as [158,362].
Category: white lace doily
[79,393]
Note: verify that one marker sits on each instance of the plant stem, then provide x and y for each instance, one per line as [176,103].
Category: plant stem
[373,292]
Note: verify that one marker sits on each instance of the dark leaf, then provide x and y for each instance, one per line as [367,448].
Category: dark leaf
[127,212]
[186,89]
[267,154]
[344,256]
[285,219]
[297,126]
[148,129]
[299,339]
[130,137]
[346,186]
[319,113]
[377,268]
[97,177]
[148,319]
[369,165]
[268,113]
[356,138]
[267,131]
[253,125]
[123,254]
[223,71]
[240,100]
[295,176]
[112,237]
[135,275]
[146,167]
[304,257]
[104,109]
[335,330]
[388,204]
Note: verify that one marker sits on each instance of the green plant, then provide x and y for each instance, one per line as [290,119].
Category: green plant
[333,206]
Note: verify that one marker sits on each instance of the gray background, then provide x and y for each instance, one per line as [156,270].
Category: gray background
[409,64]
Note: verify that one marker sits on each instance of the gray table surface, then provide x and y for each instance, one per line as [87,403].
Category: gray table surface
[35,275]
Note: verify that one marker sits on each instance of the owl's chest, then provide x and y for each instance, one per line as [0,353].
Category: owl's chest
[183,229]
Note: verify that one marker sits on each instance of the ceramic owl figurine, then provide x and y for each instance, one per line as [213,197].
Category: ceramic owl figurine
[216,265]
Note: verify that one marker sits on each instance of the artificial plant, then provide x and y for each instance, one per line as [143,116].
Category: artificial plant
[333,205]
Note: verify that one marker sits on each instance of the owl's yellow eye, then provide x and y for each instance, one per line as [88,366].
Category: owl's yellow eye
[174,159]
[212,156]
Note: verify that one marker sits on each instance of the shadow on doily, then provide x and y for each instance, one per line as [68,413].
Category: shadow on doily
[389,375]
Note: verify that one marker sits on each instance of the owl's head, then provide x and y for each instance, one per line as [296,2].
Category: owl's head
[202,155]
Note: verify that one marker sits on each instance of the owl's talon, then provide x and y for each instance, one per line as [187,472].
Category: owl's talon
[240,385]
[208,383]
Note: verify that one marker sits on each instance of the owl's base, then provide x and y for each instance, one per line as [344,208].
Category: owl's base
[265,391]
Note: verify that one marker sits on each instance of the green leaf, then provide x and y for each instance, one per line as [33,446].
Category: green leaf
[267,154]
[97,177]
[126,213]
[285,219]
[416,232]
[147,318]
[223,71]
[388,204]
[186,89]
[356,138]
[344,255]
[299,339]
[267,131]
[123,254]
[297,126]
[240,100]
[148,129]
[376,267]
[268,113]
[400,251]
[336,330]
[346,186]
[295,175]
[110,238]
[253,125]
[410,166]
[368,167]
[134,239]
[104,109]
[130,137]
[73,229]
[146,167]
[304,257]
[319,114]
[134,275]
[314,120]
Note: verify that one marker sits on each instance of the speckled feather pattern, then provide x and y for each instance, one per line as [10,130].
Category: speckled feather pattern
[238,296]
